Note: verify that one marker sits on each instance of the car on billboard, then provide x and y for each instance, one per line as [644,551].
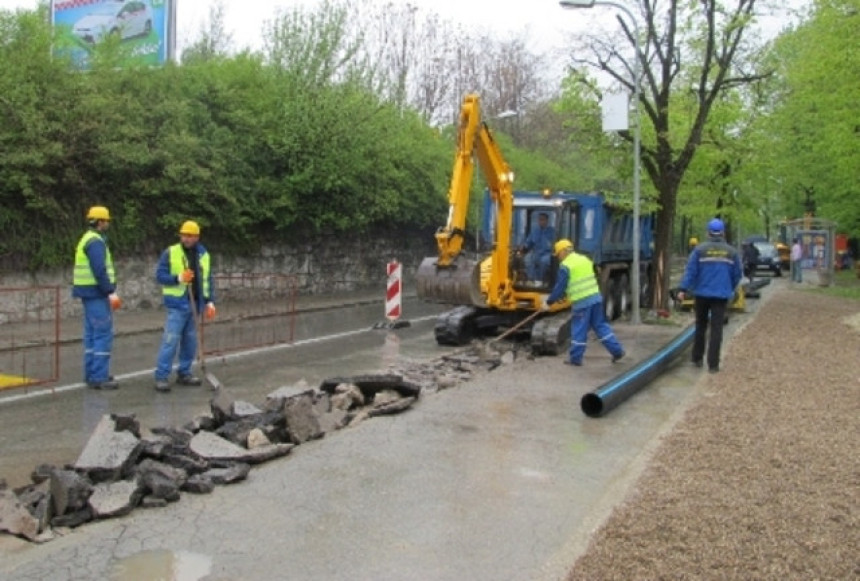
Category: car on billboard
[115,17]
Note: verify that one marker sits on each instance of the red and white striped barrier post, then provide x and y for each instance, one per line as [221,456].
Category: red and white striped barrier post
[393,291]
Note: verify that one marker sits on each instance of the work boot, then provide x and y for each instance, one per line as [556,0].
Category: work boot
[107,385]
[618,357]
[188,380]
[162,385]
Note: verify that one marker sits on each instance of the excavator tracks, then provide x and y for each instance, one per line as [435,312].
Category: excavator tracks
[551,334]
[456,327]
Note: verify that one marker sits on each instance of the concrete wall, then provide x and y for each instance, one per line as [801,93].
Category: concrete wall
[321,266]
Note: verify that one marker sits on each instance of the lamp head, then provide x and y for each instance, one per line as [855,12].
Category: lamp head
[576,3]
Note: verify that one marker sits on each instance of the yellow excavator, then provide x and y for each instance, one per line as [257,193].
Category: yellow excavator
[490,292]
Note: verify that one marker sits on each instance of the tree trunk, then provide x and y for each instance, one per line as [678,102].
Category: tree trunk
[663,243]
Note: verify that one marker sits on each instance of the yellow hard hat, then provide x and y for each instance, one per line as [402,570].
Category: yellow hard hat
[190,228]
[98,213]
[694,241]
[563,244]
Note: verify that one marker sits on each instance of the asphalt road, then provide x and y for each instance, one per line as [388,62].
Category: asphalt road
[52,424]
[499,478]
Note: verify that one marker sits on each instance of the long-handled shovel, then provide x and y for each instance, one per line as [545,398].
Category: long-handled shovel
[209,377]
[516,327]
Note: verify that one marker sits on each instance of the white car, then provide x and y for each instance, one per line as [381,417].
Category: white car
[115,17]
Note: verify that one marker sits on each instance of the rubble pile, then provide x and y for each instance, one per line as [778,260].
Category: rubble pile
[119,469]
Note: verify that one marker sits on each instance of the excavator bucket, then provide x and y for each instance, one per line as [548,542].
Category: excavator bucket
[456,284]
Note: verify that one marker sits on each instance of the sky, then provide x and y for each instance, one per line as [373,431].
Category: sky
[548,26]
[546,22]
[245,18]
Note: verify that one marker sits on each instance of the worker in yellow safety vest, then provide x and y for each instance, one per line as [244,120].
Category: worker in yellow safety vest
[94,282]
[185,274]
[576,280]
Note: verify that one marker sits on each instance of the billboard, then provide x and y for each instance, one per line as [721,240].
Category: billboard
[143,30]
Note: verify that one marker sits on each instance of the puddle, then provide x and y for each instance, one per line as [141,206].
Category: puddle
[162,565]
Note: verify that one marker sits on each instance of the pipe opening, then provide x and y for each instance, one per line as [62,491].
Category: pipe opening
[592,405]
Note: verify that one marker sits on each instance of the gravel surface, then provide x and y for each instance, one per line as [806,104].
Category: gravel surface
[761,477]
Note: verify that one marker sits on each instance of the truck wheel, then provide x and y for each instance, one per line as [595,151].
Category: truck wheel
[624,296]
[610,299]
[645,292]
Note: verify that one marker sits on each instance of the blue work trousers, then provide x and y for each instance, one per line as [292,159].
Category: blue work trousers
[98,339]
[537,265]
[179,331]
[591,317]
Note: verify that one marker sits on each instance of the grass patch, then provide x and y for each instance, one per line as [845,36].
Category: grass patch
[846,284]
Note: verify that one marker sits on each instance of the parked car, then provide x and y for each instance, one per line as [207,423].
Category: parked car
[124,19]
[768,258]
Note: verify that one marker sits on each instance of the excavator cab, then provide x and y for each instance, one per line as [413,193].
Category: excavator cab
[532,238]
[530,269]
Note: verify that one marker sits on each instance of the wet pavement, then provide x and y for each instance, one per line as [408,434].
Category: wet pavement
[332,336]
[499,478]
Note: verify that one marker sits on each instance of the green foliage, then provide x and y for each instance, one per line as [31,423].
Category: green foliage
[810,141]
[254,150]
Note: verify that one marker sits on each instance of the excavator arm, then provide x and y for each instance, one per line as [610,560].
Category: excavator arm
[450,277]
[500,182]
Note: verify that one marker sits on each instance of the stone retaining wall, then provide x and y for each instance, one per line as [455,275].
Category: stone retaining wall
[325,265]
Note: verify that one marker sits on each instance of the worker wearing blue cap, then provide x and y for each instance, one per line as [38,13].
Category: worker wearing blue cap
[712,274]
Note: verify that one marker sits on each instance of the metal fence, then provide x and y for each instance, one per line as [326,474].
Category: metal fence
[254,310]
[29,336]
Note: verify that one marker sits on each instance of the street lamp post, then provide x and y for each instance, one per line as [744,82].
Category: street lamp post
[572,4]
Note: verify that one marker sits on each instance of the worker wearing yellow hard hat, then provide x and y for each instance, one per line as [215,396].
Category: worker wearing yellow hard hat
[561,245]
[577,281]
[190,228]
[184,272]
[94,282]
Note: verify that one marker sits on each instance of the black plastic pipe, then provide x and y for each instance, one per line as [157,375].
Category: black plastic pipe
[612,393]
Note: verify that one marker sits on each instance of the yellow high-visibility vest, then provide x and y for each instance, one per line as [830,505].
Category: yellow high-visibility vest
[582,282]
[83,273]
[178,263]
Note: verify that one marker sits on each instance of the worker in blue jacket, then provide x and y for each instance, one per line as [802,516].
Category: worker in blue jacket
[713,273]
[94,282]
[538,245]
[185,275]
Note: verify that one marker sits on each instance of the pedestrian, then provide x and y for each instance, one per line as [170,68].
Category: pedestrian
[750,259]
[713,273]
[94,282]
[577,281]
[539,247]
[185,275]
[796,257]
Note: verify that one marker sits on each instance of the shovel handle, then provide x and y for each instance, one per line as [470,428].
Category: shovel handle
[517,326]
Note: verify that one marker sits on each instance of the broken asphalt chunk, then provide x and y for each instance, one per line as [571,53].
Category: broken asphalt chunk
[108,454]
